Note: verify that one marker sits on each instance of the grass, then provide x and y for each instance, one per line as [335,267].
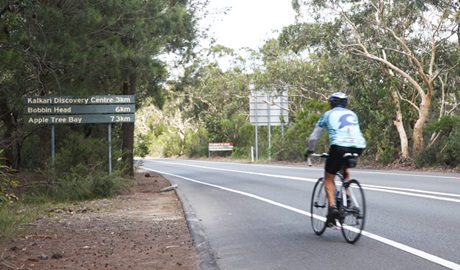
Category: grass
[35,201]
[17,218]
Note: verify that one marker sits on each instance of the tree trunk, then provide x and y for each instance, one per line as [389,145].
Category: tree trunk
[417,134]
[398,122]
[129,88]
[8,139]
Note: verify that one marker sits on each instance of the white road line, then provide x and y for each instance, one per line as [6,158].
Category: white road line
[416,252]
[416,195]
[394,190]
[412,174]
[414,190]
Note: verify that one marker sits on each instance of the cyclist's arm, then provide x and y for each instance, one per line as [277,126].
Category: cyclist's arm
[314,137]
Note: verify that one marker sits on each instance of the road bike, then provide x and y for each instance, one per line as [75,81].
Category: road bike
[349,200]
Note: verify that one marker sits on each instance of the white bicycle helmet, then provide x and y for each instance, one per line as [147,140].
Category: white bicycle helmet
[338,99]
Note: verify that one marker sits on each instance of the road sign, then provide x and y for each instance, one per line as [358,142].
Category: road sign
[79,119]
[268,109]
[79,109]
[53,110]
[220,146]
[83,100]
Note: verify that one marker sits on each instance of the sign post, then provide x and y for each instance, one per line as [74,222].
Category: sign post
[219,146]
[51,110]
[267,109]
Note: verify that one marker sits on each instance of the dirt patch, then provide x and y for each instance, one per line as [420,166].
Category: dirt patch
[145,229]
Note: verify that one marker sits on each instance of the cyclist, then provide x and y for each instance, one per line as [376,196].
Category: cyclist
[344,137]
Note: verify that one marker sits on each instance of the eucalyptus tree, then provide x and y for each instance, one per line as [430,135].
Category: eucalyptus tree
[17,75]
[302,62]
[93,47]
[213,92]
[407,39]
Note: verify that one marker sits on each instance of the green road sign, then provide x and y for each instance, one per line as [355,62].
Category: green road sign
[79,119]
[75,100]
[78,109]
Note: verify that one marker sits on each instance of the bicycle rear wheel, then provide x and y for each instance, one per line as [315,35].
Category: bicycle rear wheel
[354,214]
[319,207]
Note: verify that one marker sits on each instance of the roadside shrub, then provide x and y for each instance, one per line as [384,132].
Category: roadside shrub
[196,143]
[296,136]
[89,154]
[386,153]
[171,144]
[7,185]
[446,150]
[142,144]
[74,186]
[444,153]
[77,186]
[241,152]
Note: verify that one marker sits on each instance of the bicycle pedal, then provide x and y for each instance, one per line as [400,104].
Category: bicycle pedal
[319,205]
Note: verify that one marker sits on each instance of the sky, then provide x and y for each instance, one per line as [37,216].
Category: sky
[250,22]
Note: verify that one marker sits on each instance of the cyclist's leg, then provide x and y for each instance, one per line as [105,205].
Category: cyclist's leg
[345,172]
[329,186]
[333,165]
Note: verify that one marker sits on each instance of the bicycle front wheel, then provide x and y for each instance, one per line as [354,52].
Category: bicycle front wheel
[354,214]
[319,207]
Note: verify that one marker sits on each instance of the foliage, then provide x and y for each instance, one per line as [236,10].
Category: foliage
[295,141]
[409,44]
[169,143]
[196,143]
[82,48]
[77,186]
[81,170]
[7,185]
[89,154]
[87,48]
[241,152]
[376,112]
[73,186]
[445,151]
[13,215]
[142,142]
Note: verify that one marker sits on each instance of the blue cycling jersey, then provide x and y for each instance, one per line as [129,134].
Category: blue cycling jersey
[343,128]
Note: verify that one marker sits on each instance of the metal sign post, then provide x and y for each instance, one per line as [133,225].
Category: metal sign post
[109,135]
[257,133]
[267,109]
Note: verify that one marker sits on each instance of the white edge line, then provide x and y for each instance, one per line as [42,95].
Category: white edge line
[416,252]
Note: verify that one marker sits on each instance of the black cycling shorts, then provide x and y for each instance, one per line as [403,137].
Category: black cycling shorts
[335,159]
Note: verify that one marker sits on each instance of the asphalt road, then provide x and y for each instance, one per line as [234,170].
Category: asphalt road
[250,216]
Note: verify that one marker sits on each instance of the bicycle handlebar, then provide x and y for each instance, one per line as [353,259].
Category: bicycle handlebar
[323,155]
